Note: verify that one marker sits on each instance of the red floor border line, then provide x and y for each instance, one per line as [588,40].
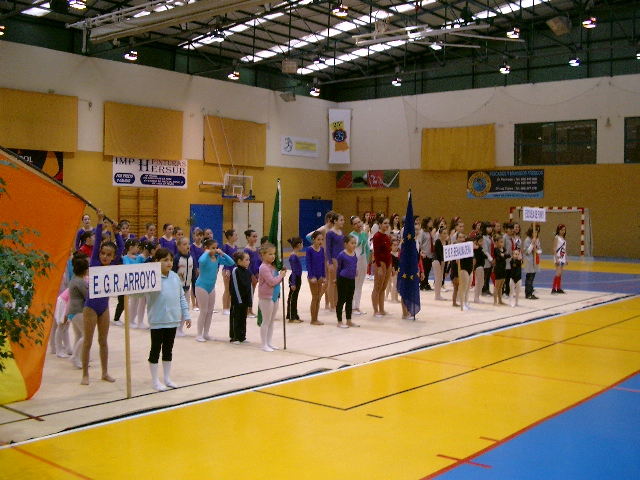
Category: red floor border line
[468,459]
[44,460]
[475,464]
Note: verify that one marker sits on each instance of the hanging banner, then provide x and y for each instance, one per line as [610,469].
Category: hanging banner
[505,184]
[50,163]
[301,147]
[368,179]
[139,172]
[339,136]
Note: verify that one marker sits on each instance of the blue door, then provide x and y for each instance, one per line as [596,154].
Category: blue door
[207,216]
[312,216]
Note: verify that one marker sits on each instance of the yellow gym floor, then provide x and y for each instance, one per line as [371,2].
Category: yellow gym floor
[406,417]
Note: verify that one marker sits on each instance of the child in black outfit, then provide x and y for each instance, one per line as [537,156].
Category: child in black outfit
[241,298]
[500,269]
[516,277]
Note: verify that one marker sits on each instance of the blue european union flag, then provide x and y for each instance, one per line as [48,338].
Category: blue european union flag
[408,277]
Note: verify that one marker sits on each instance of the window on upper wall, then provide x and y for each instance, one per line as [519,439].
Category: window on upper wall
[632,140]
[556,143]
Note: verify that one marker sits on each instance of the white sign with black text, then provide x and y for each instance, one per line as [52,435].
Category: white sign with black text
[117,280]
[533,214]
[151,173]
[457,251]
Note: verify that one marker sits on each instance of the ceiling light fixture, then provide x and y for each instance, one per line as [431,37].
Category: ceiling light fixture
[78,4]
[574,62]
[436,46]
[397,81]
[315,90]
[131,55]
[505,69]
[515,33]
[1,29]
[340,11]
[590,22]
[234,74]
[318,60]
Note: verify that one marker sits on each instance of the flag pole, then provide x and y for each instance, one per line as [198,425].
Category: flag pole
[284,313]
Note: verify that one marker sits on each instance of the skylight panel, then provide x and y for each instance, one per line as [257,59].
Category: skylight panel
[38,11]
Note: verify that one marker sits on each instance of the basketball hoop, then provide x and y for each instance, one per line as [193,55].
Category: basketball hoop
[241,198]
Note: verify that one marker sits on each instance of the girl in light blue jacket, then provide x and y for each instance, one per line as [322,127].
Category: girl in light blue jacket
[165,310]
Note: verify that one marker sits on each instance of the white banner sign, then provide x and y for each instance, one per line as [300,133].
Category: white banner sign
[532,214]
[139,172]
[339,136]
[457,251]
[117,280]
[301,147]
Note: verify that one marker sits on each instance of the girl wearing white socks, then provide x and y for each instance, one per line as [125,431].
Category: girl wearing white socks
[165,310]
[206,285]
[268,293]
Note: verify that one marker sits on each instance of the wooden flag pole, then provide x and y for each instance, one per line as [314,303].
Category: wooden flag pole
[127,343]
[284,313]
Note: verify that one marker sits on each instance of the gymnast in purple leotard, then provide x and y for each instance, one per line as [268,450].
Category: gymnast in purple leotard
[96,310]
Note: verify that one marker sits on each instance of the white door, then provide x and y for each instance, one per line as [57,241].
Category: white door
[248,216]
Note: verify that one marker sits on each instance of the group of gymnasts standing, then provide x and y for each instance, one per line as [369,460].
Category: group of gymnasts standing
[189,273]
[339,263]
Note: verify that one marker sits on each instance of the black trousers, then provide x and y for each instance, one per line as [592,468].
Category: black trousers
[292,300]
[119,309]
[346,289]
[162,338]
[238,322]
[487,279]
[528,284]
[426,265]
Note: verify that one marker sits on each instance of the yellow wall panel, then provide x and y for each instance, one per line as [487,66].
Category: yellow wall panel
[142,132]
[462,148]
[38,121]
[234,142]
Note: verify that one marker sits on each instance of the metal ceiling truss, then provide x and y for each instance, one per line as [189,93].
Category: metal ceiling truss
[182,28]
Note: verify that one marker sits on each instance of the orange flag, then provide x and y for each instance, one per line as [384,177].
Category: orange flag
[40,204]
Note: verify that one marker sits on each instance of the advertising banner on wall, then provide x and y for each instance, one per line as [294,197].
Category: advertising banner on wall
[368,179]
[151,173]
[298,146]
[339,136]
[50,163]
[488,184]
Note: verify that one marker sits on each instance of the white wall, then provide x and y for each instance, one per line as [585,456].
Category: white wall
[95,81]
[385,133]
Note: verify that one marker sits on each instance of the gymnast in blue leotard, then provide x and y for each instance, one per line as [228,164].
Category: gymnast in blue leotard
[206,285]
[96,310]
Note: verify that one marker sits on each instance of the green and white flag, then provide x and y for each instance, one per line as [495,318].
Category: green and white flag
[275,236]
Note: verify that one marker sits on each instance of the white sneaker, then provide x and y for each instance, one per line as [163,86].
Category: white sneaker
[467,306]
[119,323]
[62,354]
[464,307]
[378,315]
[245,341]
[266,349]
[252,316]
[76,363]
[215,311]
[196,309]
[180,333]
[142,326]
[133,325]
[226,312]
[209,337]
[159,387]
[273,348]
[170,384]
[444,289]
[236,342]
[200,338]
